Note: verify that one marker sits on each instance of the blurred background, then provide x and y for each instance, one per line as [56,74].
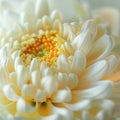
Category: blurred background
[103,3]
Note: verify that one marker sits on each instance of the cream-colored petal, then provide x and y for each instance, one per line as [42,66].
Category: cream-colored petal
[40,96]
[65,113]
[56,15]
[73,81]
[41,8]
[102,90]
[67,48]
[112,61]
[48,82]
[63,95]
[83,104]
[22,75]
[83,41]
[62,80]
[25,107]
[101,48]
[36,79]
[10,93]
[86,37]
[53,117]
[96,71]
[3,77]
[28,16]
[48,72]
[34,66]
[62,64]
[46,22]
[79,62]
[57,25]
[28,91]
[91,26]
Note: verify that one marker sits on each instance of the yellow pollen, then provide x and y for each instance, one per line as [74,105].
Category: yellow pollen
[44,48]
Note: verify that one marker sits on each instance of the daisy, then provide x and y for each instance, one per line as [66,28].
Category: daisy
[55,70]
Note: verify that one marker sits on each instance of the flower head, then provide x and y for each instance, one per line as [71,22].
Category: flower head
[52,70]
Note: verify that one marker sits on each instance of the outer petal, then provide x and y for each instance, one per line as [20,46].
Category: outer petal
[23,106]
[101,48]
[96,71]
[63,95]
[62,64]
[10,93]
[83,104]
[41,8]
[79,62]
[96,92]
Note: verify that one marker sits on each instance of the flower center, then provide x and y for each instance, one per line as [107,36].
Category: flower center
[44,47]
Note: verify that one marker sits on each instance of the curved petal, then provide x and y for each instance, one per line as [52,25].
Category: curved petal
[79,62]
[28,91]
[34,65]
[83,104]
[10,93]
[40,96]
[62,64]
[96,92]
[41,8]
[53,117]
[96,71]
[22,75]
[24,107]
[63,95]
[73,81]
[101,48]
[28,16]
[65,113]
[112,63]
[36,78]
[48,83]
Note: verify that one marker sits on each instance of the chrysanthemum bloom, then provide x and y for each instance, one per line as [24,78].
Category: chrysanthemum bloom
[55,70]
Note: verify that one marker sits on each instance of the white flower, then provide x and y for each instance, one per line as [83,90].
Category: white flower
[55,70]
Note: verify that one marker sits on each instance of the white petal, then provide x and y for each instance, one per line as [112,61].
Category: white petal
[62,64]
[83,104]
[10,93]
[3,77]
[41,8]
[65,113]
[28,91]
[46,22]
[57,25]
[62,96]
[101,48]
[34,65]
[96,71]
[36,78]
[28,15]
[48,71]
[62,80]
[83,41]
[79,62]
[48,83]
[97,92]
[90,26]
[53,117]
[23,106]
[73,81]
[112,63]
[40,96]
[55,15]
[22,75]
[67,47]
